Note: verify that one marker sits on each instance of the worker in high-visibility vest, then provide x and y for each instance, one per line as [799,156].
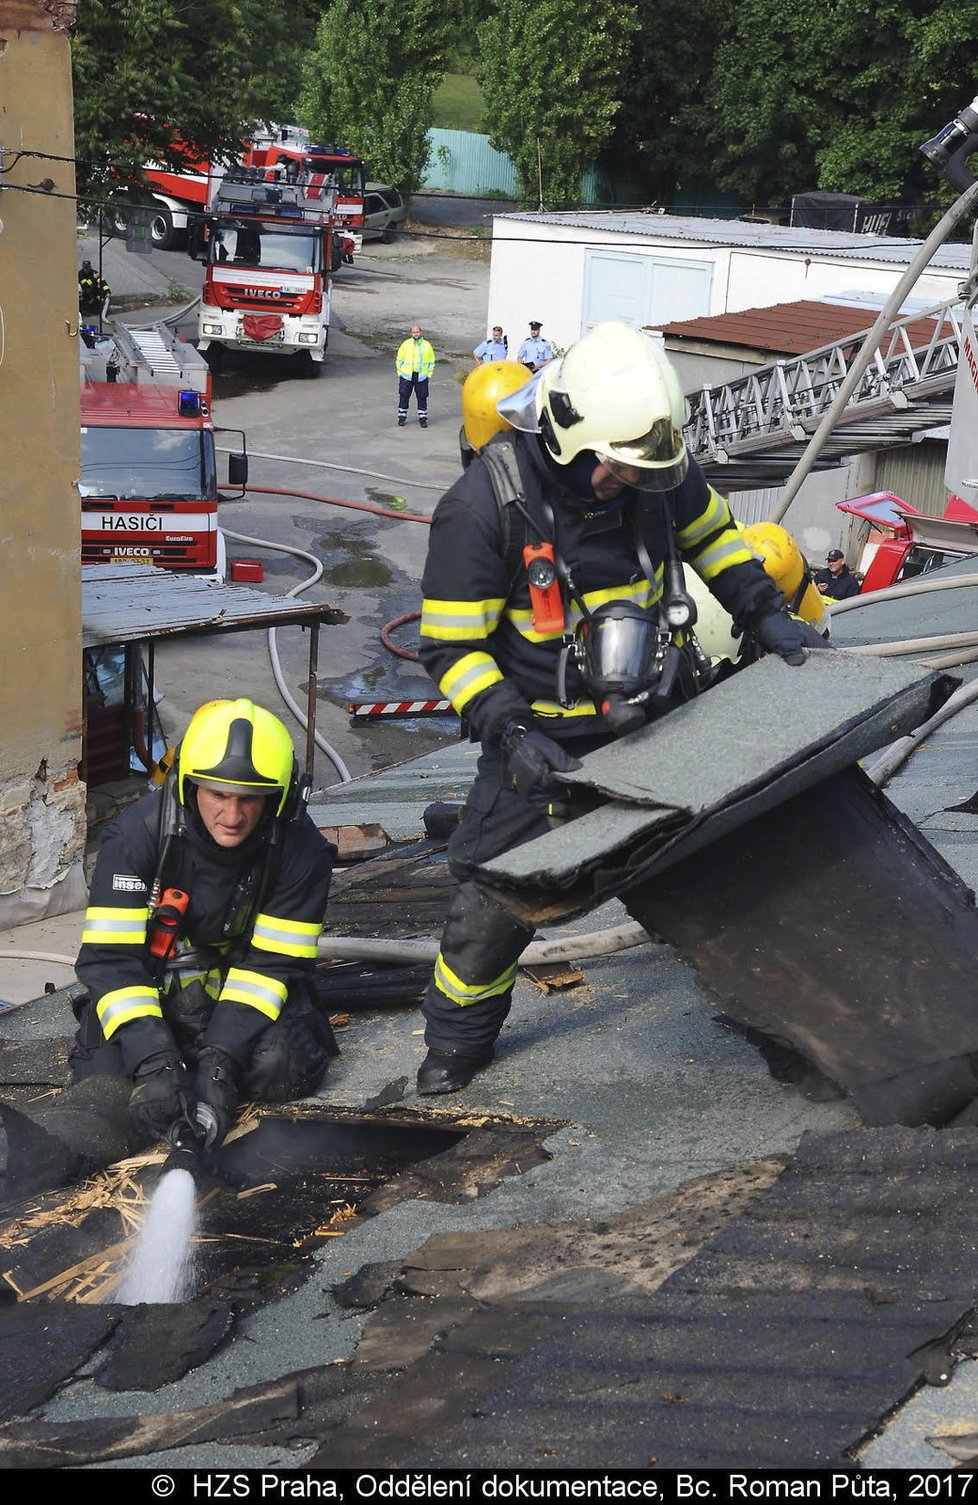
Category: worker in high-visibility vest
[415,365]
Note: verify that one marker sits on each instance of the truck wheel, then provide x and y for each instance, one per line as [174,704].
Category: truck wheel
[214,356]
[161,231]
[306,366]
[117,215]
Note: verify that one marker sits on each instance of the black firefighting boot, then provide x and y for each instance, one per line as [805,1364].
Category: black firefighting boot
[440,1072]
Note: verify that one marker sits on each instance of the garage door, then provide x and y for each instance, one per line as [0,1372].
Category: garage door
[643,289]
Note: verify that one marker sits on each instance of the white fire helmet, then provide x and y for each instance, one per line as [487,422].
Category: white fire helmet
[616,394]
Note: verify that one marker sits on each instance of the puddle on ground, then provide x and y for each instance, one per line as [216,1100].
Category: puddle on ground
[350,561]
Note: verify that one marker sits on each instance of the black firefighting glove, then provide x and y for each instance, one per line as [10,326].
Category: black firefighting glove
[787,636]
[161,1093]
[217,1093]
[530,761]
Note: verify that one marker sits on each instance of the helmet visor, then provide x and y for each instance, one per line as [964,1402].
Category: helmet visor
[656,461]
[519,407]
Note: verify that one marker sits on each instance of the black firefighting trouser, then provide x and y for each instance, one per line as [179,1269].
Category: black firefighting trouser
[289,1059]
[471,991]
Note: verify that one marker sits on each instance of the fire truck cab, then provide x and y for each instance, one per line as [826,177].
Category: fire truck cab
[148,483]
[268,248]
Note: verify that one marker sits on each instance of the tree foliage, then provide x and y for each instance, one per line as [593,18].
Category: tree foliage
[171,78]
[369,79]
[551,73]
[837,97]
[658,136]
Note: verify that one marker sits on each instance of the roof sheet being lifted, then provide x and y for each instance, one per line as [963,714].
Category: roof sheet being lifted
[747,745]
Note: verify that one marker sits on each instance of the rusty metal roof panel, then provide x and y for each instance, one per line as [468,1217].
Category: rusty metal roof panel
[132,603]
[787,328]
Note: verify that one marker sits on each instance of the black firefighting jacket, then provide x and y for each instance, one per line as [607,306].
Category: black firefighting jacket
[478,642]
[251,927]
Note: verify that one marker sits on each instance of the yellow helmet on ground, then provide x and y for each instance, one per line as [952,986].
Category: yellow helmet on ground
[236,747]
[484,386]
[787,567]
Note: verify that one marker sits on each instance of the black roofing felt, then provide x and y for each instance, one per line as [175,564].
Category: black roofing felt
[782,1344]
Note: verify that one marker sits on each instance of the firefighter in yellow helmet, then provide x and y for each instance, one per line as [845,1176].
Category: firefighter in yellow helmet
[484,388]
[197,954]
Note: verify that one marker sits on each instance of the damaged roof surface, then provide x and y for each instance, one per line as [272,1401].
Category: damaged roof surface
[646,1291]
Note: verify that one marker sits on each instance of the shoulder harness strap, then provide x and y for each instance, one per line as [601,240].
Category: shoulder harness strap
[507,483]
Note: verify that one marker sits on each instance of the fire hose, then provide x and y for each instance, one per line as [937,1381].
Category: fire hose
[358,948]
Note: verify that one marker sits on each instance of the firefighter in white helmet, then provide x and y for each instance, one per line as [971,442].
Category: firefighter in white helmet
[555,617]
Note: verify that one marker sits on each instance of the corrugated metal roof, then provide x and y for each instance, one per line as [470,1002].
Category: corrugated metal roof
[788,328]
[126,603]
[846,245]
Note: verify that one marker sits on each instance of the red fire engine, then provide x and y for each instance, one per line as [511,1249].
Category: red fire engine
[268,245]
[148,459]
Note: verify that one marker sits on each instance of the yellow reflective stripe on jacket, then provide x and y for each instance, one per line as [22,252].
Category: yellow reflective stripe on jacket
[729,549]
[114,927]
[265,994]
[460,621]
[125,1004]
[716,514]
[287,937]
[553,708]
[463,993]
[466,678]
[643,592]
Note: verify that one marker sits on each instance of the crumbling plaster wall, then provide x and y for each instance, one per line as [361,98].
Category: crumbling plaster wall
[42,802]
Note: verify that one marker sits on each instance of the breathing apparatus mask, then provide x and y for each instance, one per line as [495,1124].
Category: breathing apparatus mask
[629,659]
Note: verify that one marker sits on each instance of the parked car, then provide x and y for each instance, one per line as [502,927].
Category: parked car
[383,212]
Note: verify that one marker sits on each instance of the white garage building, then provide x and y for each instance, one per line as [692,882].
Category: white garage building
[572,270]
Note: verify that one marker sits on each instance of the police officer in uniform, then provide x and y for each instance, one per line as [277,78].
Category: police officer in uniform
[535,351]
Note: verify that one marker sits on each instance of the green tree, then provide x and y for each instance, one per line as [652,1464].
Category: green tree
[369,79]
[836,97]
[172,80]
[551,73]
[658,138]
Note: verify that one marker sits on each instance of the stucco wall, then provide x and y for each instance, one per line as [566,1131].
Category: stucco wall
[42,804]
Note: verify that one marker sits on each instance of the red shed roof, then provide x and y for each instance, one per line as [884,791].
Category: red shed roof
[786,328]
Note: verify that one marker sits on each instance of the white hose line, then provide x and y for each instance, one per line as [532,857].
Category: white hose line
[353,470]
[921,587]
[887,764]
[537,953]
[283,689]
[358,948]
[898,647]
[170,318]
[36,956]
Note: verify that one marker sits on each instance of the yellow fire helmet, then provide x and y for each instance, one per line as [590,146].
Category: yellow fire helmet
[484,386]
[236,747]
[786,565]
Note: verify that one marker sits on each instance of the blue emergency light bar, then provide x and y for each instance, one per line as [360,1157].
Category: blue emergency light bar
[188,404]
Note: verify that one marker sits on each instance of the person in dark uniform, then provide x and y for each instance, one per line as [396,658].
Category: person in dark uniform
[837,580]
[607,487]
[200,938]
